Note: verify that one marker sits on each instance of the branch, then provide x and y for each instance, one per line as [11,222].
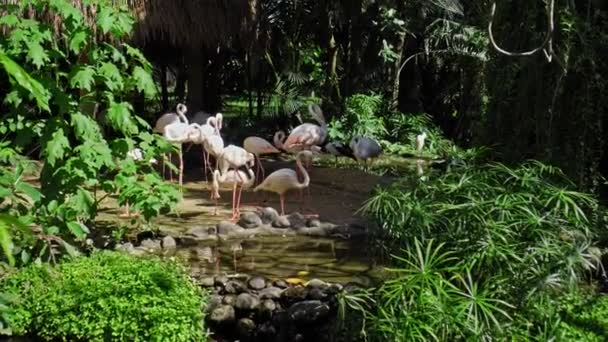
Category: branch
[548,41]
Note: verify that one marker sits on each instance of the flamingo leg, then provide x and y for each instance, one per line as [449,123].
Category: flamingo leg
[205,164]
[216,204]
[181,169]
[238,201]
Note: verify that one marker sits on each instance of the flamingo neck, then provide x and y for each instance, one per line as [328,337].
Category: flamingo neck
[279,138]
[182,114]
[306,180]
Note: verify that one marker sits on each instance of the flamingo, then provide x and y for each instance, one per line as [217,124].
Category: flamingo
[365,148]
[420,141]
[283,180]
[137,155]
[308,134]
[179,133]
[168,119]
[279,138]
[235,157]
[259,146]
[231,179]
[213,145]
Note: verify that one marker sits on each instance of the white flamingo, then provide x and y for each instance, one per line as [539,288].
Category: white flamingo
[283,180]
[179,133]
[235,157]
[420,138]
[168,119]
[259,146]
[232,180]
[214,146]
[307,134]
[137,155]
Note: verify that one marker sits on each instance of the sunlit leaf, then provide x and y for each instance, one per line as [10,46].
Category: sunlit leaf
[83,78]
[21,77]
[56,147]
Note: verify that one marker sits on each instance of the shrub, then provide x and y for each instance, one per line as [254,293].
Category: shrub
[108,296]
[482,253]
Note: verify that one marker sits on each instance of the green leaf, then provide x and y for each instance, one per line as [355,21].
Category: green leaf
[82,78]
[9,20]
[119,116]
[85,127]
[78,40]
[36,54]
[78,229]
[29,190]
[113,79]
[138,55]
[56,147]
[105,19]
[6,242]
[17,74]
[73,252]
[83,202]
[144,82]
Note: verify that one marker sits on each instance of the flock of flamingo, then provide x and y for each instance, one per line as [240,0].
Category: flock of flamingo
[304,141]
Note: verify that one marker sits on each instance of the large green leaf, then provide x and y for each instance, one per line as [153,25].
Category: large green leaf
[17,74]
[6,242]
[105,19]
[144,82]
[56,147]
[78,40]
[119,116]
[83,78]
[78,229]
[36,54]
[85,127]
[111,74]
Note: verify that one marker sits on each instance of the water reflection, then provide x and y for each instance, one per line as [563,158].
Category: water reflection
[286,257]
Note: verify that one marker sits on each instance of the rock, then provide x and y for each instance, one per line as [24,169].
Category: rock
[169,243]
[281,222]
[199,232]
[151,245]
[271,293]
[139,251]
[317,293]
[313,231]
[227,227]
[256,283]
[235,287]
[229,299]
[249,220]
[247,302]
[266,332]
[145,235]
[317,283]
[125,247]
[204,254]
[296,220]
[222,314]
[245,327]
[308,311]
[313,223]
[268,214]
[294,294]
[280,283]
[206,281]
[214,302]
[220,281]
[267,307]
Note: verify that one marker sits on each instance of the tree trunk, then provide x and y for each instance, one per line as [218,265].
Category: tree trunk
[194,61]
[395,77]
[180,83]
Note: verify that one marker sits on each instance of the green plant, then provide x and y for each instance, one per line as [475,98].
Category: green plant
[362,117]
[69,98]
[496,226]
[108,296]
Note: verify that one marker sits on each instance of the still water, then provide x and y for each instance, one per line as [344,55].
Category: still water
[286,257]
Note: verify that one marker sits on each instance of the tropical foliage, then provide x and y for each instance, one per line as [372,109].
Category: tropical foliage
[107,296]
[483,252]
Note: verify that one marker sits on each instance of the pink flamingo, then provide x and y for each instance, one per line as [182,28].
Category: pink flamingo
[231,179]
[283,180]
[259,146]
[307,134]
[168,119]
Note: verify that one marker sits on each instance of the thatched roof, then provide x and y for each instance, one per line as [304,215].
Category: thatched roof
[191,22]
[184,23]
